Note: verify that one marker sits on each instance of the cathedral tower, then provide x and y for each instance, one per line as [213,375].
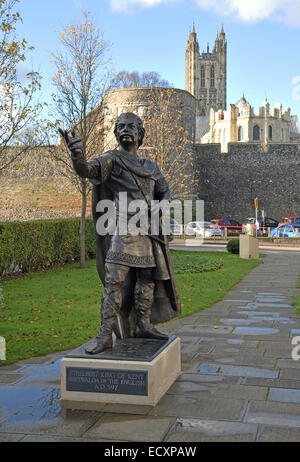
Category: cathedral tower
[205,73]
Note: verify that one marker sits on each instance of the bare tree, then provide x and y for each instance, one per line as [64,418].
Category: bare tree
[168,142]
[19,108]
[127,79]
[83,76]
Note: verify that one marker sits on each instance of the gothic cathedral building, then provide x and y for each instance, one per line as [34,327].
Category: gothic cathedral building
[205,73]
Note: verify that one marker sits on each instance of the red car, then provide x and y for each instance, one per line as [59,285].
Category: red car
[233,226]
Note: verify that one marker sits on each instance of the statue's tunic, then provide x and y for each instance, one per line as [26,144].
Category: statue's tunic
[141,178]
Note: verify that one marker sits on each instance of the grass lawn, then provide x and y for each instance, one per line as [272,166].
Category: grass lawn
[59,309]
[296,300]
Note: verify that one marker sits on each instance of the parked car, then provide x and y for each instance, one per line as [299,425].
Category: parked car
[295,220]
[233,226]
[203,229]
[284,230]
[264,224]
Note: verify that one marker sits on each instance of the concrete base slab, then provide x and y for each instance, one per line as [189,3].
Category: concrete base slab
[86,379]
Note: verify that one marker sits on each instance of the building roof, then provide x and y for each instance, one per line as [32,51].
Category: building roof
[241,102]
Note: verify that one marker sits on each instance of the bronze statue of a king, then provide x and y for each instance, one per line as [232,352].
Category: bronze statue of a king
[135,268]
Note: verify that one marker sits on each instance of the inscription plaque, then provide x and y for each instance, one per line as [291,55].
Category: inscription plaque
[118,381]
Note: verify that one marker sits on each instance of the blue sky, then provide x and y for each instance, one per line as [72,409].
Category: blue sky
[150,35]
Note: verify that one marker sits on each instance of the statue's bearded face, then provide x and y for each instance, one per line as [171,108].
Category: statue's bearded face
[127,131]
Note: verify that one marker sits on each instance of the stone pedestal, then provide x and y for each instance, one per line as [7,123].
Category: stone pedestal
[249,247]
[134,371]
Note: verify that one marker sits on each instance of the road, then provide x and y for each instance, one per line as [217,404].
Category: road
[222,248]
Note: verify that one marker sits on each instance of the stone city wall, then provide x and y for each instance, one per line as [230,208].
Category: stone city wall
[37,162]
[228,182]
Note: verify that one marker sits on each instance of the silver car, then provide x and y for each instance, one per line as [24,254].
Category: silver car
[203,229]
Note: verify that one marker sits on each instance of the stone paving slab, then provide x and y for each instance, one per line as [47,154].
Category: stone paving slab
[64,439]
[203,329]
[129,427]
[73,425]
[229,342]
[293,373]
[284,395]
[10,378]
[288,364]
[235,370]
[274,413]
[206,378]
[219,390]
[237,351]
[278,383]
[275,434]
[194,437]
[11,437]
[189,430]
[208,408]
[281,352]
[238,360]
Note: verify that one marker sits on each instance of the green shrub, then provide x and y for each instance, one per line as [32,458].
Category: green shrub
[35,245]
[233,246]
[185,263]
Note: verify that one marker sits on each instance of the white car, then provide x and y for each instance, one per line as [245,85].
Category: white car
[203,229]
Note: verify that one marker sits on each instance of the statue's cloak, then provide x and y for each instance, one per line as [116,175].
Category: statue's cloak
[166,304]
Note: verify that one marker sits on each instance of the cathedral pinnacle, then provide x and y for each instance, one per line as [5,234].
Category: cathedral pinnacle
[222,33]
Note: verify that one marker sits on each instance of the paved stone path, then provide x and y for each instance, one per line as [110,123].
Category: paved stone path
[238,382]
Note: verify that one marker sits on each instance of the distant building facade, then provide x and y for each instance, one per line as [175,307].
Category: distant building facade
[240,124]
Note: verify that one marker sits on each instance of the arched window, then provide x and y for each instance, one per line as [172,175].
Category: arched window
[212,76]
[202,76]
[240,134]
[270,132]
[256,133]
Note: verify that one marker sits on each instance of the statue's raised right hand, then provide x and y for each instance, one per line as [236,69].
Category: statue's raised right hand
[71,141]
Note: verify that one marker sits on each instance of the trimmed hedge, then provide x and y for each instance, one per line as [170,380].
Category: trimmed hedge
[35,245]
[233,246]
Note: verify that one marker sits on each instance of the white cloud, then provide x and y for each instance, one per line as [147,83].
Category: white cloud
[250,11]
[125,5]
[77,3]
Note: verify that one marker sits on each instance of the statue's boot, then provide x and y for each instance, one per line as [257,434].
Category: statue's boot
[144,291]
[104,340]
[145,329]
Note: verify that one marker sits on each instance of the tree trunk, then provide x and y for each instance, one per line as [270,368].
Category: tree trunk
[82,225]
